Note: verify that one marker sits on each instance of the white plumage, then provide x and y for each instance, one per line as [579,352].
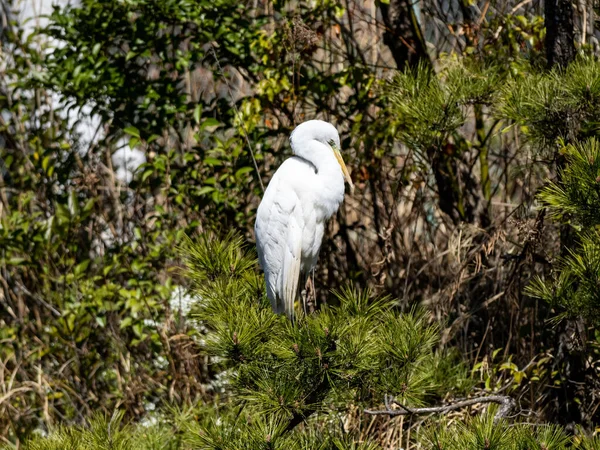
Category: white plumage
[303,194]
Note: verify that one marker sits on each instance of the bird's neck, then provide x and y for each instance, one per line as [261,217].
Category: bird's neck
[328,192]
[321,157]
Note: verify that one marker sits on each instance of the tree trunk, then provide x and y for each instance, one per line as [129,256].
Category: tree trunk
[403,34]
[560,35]
[560,51]
[570,360]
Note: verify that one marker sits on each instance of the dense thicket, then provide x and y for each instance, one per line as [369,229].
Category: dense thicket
[466,264]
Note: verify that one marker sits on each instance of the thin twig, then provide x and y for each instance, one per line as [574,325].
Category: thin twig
[506,403]
[239,116]
[51,308]
[519,6]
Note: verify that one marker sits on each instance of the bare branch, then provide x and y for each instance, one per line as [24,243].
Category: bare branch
[506,403]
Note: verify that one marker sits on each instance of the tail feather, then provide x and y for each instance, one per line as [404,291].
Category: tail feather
[291,268]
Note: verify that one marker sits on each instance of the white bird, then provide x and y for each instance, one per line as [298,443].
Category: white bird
[304,193]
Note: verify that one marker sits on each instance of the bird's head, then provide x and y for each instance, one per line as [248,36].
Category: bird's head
[324,133]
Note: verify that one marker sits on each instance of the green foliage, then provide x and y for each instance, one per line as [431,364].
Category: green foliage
[431,108]
[423,104]
[205,428]
[182,432]
[258,432]
[574,200]
[484,433]
[134,72]
[574,284]
[122,57]
[86,282]
[429,111]
[107,433]
[560,104]
[285,372]
[558,111]
[517,40]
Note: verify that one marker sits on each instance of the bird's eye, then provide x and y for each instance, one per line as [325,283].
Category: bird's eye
[332,142]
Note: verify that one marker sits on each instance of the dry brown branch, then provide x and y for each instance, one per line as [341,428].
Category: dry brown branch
[506,403]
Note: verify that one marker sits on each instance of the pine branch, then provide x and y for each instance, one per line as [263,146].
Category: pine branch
[507,405]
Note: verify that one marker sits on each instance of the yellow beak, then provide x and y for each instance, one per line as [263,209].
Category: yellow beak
[340,160]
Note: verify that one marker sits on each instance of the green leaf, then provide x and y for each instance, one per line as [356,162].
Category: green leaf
[243,171]
[126,322]
[159,164]
[146,174]
[205,190]
[210,122]
[16,261]
[73,203]
[81,267]
[132,131]
[62,213]
[89,205]
[495,352]
[133,142]
[509,366]
[137,329]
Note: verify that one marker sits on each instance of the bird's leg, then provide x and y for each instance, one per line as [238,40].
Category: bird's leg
[311,303]
[303,295]
[312,285]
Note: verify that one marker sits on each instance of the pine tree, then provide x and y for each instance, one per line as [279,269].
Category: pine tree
[575,200]
[484,433]
[280,374]
[430,109]
[558,112]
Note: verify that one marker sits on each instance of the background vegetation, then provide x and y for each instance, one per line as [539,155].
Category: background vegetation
[135,140]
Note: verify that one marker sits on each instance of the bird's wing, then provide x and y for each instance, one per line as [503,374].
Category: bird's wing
[279,226]
[290,270]
[270,231]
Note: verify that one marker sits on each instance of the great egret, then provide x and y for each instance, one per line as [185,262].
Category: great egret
[304,193]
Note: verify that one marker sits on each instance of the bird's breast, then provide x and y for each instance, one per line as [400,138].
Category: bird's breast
[330,196]
[312,236]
